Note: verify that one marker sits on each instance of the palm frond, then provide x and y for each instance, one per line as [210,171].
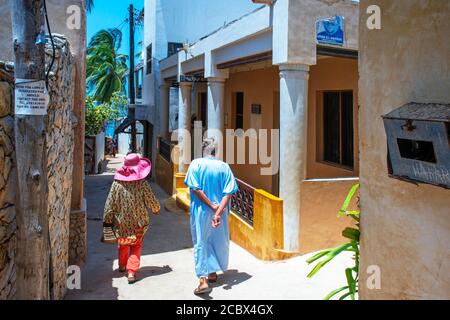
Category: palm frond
[106,69]
[89,5]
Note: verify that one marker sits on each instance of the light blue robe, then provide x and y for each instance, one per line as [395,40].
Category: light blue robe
[211,246]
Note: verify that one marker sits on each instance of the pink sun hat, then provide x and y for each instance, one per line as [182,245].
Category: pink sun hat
[135,168]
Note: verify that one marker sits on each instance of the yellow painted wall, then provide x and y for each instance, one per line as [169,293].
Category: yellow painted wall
[265,238]
[321,201]
[330,74]
[262,87]
[320,228]
[164,174]
[259,87]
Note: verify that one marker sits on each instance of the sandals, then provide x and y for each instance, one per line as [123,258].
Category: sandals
[214,278]
[132,278]
[122,270]
[199,292]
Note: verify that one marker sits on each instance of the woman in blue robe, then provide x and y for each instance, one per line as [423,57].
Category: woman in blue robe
[211,184]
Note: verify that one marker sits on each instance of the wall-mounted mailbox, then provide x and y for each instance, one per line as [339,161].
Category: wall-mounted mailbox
[418,136]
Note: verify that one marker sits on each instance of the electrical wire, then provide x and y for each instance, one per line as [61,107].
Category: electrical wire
[50,263]
[53,44]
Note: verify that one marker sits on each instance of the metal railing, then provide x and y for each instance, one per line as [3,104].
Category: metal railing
[242,202]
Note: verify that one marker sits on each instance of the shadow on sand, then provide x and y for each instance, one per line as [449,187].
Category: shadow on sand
[148,272]
[227,281]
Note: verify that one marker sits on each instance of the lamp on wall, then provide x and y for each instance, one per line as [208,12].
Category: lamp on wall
[269,2]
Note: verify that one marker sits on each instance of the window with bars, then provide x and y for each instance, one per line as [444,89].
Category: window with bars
[239,110]
[338,127]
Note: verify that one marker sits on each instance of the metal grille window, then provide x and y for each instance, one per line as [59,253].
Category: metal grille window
[149,59]
[338,127]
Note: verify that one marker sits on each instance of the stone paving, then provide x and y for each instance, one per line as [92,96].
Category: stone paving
[168,267]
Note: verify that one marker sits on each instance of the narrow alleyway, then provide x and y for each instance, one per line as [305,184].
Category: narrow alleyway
[167,262]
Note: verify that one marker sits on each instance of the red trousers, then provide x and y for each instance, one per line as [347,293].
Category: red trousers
[130,257]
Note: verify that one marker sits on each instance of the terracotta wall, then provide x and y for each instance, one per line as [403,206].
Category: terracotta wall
[321,201]
[330,74]
[259,87]
[405,227]
[262,87]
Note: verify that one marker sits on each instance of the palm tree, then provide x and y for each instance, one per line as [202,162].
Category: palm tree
[106,68]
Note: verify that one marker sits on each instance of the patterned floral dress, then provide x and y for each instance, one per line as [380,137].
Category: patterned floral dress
[126,208]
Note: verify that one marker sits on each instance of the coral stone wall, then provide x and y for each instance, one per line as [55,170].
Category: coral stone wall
[60,145]
[78,237]
[8,226]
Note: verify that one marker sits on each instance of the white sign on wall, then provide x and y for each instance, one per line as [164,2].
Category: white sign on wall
[31,97]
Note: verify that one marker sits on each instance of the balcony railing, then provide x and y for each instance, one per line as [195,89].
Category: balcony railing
[242,202]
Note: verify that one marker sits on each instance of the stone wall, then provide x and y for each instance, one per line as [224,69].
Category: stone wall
[60,145]
[78,237]
[8,226]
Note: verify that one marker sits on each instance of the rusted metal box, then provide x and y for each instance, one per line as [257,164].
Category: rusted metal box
[418,136]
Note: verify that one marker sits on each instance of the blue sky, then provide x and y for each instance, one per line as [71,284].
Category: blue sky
[110,14]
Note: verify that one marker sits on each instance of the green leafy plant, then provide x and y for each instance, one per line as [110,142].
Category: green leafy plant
[98,115]
[324,257]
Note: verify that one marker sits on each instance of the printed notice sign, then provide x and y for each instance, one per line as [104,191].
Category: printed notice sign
[31,97]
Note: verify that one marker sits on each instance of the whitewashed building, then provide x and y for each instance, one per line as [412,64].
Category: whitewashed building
[288,65]
[168,25]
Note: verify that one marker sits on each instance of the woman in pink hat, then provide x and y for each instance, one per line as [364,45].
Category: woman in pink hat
[126,215]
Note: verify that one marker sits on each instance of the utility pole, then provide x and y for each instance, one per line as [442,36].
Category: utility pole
[31,156]
[132,88]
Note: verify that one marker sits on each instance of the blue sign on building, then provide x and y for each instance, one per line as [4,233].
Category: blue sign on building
[330,31]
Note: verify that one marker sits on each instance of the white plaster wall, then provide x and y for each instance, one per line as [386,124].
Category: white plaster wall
[184,22]
[294,25]
[123,143]
[99,149]
[58,22]
[405,227]
[6,49]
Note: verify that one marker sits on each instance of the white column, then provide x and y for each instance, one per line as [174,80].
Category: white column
[216,107]
[184,125]
[164,91]
[293,130]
